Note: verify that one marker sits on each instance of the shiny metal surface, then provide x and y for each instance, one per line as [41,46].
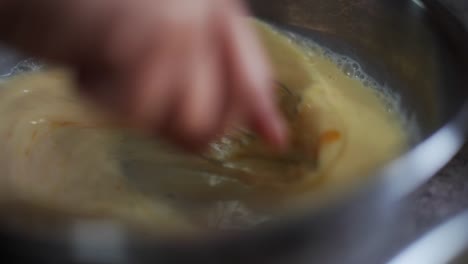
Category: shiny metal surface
[417,50]
[447,243]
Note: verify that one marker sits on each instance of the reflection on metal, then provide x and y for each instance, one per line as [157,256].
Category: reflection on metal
[442,245]
[419,3]
[413,169]
[98,242]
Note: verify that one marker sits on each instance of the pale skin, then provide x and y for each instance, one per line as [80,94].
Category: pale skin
[184,70]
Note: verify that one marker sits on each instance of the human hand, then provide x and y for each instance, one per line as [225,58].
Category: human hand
[182,69]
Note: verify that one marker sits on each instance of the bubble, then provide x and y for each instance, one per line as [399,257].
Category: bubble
[348,70]
[352,68]
[27,65]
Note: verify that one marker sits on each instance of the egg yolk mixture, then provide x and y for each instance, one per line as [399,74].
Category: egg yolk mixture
[60,154]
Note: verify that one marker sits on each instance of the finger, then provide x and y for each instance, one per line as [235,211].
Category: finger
[203,101]
[172,121]
[232,114]
[123,62]
[161,40]
[135,33]
[202,105]
[252,79]
[153,87]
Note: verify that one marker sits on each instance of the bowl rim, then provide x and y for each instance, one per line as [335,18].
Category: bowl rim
[442,244]
[422,162]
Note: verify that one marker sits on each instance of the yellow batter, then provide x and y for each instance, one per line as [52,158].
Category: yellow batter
[60,154]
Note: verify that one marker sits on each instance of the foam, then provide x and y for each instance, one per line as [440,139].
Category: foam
[27,65]
[353,69]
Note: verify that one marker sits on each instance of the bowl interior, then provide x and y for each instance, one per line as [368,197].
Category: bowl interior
[395,42]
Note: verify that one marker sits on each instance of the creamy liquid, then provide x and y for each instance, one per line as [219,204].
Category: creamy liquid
[60,154]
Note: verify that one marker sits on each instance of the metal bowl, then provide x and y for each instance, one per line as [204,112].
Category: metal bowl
[417,48]
[447,243]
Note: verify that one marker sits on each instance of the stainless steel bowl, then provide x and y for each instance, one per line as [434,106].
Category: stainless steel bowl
[445,244]
[418,50]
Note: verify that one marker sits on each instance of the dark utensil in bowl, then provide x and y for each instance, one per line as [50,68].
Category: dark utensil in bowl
[418,50]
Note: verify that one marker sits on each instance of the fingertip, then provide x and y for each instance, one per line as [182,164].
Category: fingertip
[269,124]
[185,142]
[277,133]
